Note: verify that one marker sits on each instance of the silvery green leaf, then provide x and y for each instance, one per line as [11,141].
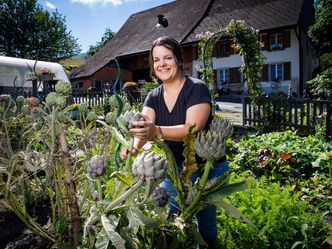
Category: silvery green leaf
[134,220]
[115,238]
[102,241]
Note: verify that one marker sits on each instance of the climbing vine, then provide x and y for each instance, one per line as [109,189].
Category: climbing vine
[245,43]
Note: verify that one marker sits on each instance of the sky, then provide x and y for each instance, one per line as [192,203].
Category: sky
[88,19]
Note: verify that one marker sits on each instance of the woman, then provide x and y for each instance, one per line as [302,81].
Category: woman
[168,112]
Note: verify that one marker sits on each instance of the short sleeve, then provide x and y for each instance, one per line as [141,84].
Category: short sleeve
[149,100]
[198,94]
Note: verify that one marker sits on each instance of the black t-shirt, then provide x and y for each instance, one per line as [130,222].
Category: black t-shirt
[194,91]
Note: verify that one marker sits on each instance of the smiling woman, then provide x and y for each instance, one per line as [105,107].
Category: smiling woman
[169,111]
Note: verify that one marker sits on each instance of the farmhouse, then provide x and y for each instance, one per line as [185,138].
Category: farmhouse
[282,25]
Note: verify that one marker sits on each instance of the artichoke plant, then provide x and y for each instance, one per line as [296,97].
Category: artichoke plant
[63,87]
[129,117]
[211,144]
[150,166]
[96,166]
[83,108]
[91,116]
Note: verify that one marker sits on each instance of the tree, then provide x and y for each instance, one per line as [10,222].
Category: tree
[320,31]
[108,35]
[28,31]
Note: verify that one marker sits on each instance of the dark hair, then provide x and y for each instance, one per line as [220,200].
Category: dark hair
[171,44]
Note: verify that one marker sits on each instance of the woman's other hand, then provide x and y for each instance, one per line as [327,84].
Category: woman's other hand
[124,153]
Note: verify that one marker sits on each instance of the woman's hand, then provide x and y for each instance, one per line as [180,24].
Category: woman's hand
[145,130]
[124,153]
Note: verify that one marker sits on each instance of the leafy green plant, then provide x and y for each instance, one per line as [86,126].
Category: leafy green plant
[281,218]
[279,155]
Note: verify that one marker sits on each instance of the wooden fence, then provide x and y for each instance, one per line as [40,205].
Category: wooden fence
[281,114]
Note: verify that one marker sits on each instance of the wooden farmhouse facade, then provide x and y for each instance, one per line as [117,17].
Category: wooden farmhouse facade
[282,25]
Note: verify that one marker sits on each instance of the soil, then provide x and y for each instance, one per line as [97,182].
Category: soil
[14,233]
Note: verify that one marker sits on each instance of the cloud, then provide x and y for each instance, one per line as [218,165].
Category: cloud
[92,2]
[114,2]
[50,5]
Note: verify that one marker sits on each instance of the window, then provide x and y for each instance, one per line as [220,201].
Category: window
[276,41]
[276,72]
[224,49]
[98,84]
[223,77]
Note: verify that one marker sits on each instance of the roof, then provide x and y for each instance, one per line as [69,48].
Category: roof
[187,18]
[259,14]
[139,32]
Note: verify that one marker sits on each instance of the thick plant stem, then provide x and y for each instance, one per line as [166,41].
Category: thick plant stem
[123,197]
[190,210]
[71,189]
[174,173]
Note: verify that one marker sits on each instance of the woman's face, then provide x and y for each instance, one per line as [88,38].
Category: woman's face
[164,64]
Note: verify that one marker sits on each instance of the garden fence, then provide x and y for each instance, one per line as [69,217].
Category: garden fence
[303,115]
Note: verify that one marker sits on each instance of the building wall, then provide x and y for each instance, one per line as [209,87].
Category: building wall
[288,54]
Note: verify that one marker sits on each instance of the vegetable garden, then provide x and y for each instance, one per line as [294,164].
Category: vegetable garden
[62,160]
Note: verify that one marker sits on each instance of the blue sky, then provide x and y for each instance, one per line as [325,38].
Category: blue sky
[89,19]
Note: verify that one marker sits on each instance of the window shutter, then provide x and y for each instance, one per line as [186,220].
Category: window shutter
[265,73]
[287,39]
[287,71]
[266,42]
[234,75]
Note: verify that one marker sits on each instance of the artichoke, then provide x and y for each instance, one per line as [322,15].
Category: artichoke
[129,117]
[109,118]
[211,144]
[61,101]
[222,125]
[20,100]
[83,108]
[96,166]
[91,116]
[51,99]
[6,101]
[150,166]
[160,196]
[63,87]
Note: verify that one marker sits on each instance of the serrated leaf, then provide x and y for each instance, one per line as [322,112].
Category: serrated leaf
[102,240]
[134,220]
[234,212]
[189,164]
[115,238]
[120,176]
[119,137]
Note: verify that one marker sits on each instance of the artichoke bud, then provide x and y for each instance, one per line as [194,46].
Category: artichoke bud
[83,108]
[96,166]
[63,87]
[91,116]
[150,166]
[51,99]
[222,125]
[129,117]
[160,196]
[109,118]
[210,145]
[20,100]
[6,101]
[61,101]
